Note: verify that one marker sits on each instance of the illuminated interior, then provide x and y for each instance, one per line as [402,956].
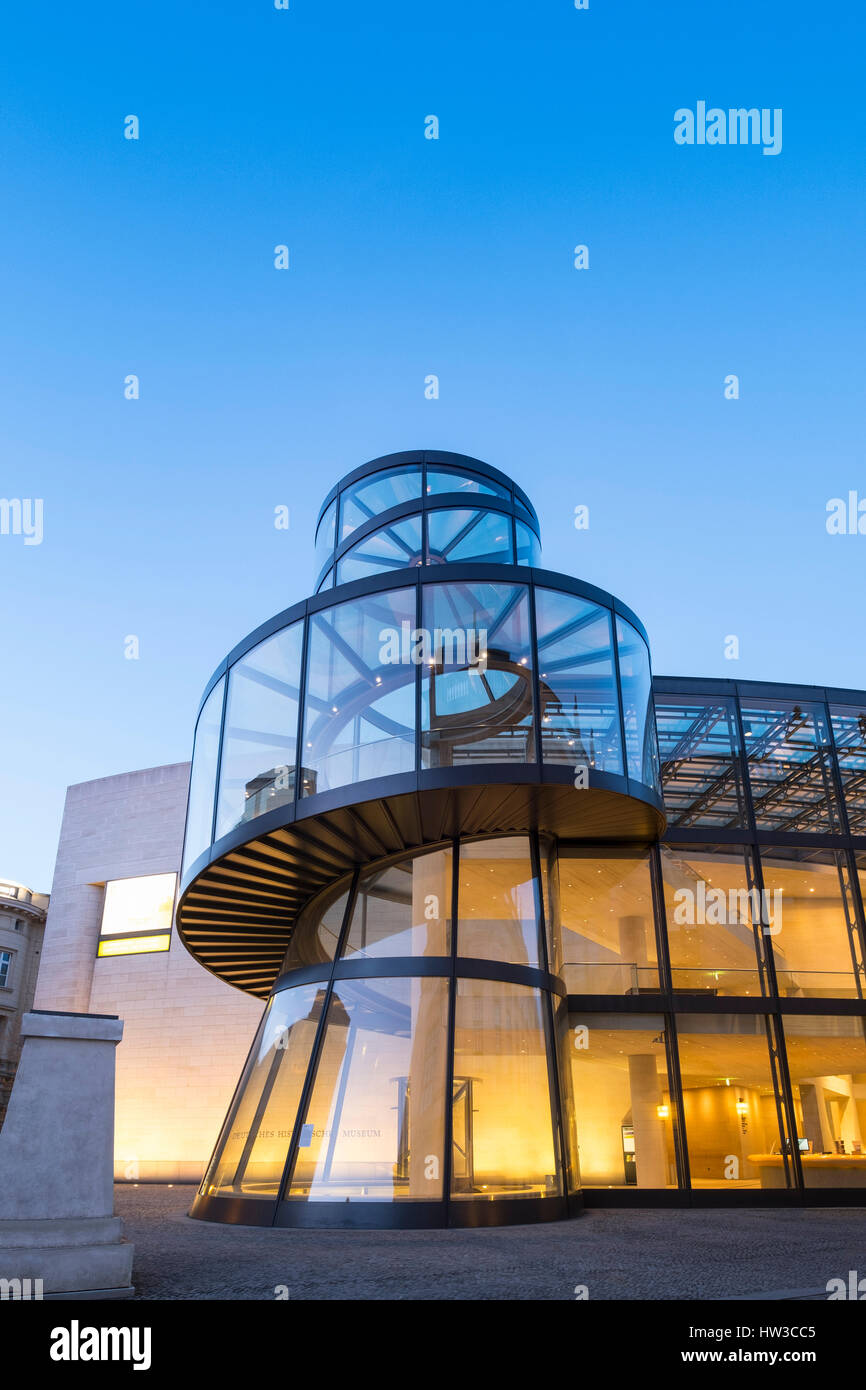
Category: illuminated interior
[137,915]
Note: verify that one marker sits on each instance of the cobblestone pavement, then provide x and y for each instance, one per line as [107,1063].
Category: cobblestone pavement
[616,1254]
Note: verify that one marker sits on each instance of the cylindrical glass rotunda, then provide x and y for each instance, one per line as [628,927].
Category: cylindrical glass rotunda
[391,782]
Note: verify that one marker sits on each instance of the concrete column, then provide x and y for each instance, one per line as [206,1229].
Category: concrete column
[57,1160]
[633,942]
[649,1132]
[816,1125]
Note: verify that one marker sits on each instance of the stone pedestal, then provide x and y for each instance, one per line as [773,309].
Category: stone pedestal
[57,1221]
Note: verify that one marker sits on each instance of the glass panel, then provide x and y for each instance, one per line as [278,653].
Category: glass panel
[528,545]
[375,1126]
[257,773]
[202,782]
[849,731]
[317,932]
[464,535]
[496,899]
[252,1150]
[811,923]
[579,709]
[394,547]
[710,914]
[788,751]
[360,702]
[503,1139]
[637,705]
[622,1102]
[732,1125]
[371,496]
[445,480]
[827,1062]
[701,769]
[326,536]
[606,926]
[327,582]
[476,690]
[134,945]
[404,910]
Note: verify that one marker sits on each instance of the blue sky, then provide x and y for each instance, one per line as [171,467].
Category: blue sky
[409,256]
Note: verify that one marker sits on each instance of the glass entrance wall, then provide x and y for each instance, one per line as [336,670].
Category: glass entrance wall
[374,1126]
[624,1114]
[603,923]
[712,915]
[503,1126]
[468,1062]
[730,1102]
[814,933]
[827,1062]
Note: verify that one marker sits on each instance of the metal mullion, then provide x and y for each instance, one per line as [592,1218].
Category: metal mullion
[315,1054]
[788,1097]
[419,674]
[612,616]
[554,1085]
[448,1154]
[302,709]
[219,762]
[675,1086]
[665,971]
[785,1116]
[536,687]
[857,901]
[757,868]
[842,860]
[769,987]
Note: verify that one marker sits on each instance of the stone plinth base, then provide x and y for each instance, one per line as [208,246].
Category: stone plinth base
[56,1163]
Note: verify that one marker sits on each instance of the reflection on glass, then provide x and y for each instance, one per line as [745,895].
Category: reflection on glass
[637,705]
[257,772]
[404,910]
[498,916]
[577,679]
[790,769]
[477,693]
[252,1149]
[622,1102]
[394,547]
[326,536]
[451,480]
[373,495]
[317,932]
[468,535]
[528,545]
[360,701]
[849,732]
[503,1137]
[199,816]
[812,923]
[827,1062]
[731,1116]
[701,770]
[606,933]
[710,915]
[375,1125]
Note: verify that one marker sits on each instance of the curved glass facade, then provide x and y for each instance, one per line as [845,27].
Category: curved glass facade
[425,511]
[491,671]
[494,997]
